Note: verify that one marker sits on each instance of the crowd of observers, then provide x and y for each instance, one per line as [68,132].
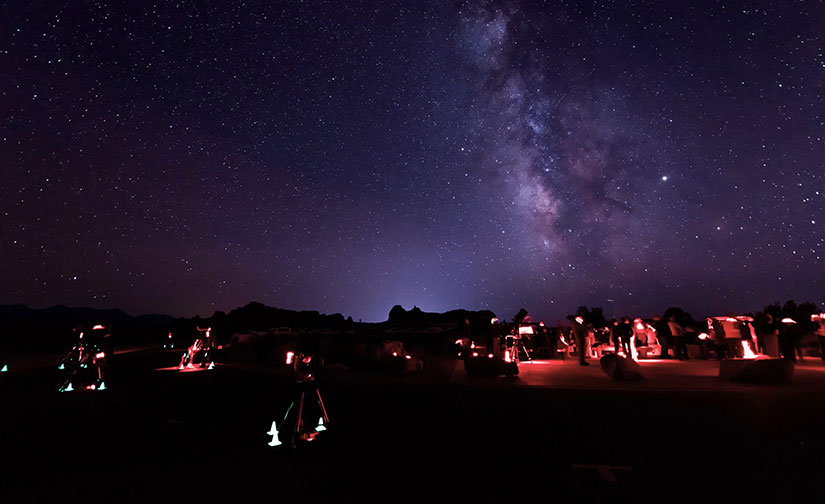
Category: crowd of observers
[790,332]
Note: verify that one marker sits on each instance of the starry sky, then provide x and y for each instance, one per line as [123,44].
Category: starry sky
[187,157]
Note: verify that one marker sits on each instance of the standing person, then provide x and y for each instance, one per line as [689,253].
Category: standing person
[663,335]
[787,339]
[717,334]
[625,333]
[820,334]
[678,334]
[580,330]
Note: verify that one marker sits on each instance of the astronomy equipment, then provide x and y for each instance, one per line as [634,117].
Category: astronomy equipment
[201,352]
[87,361]
[306,415]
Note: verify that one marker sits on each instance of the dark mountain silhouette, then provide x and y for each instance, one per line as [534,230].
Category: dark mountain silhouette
[415,318]
[26,330]
[50,329]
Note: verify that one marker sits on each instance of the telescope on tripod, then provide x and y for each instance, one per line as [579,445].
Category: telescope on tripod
[306,416]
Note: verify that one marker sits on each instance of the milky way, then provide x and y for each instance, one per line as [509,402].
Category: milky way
[346,158]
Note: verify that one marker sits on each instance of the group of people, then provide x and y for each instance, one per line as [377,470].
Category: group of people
[718,337]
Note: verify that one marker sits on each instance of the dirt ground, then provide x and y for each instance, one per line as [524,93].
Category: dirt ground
[557,432]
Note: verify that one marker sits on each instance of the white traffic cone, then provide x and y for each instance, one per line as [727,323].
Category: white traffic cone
[321,427]
[274,433]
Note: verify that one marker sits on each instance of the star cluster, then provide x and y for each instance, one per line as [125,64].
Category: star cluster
[349,156]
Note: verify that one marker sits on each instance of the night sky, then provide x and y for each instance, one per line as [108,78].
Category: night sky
[344,157]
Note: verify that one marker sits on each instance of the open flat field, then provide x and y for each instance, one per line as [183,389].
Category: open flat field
[557,433]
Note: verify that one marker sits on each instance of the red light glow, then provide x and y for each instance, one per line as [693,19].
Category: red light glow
[408,357]
[788,321]
[475,354]
[100,355]
[289,357]
[395,354]
[746,350]
[95,328]
[507,357]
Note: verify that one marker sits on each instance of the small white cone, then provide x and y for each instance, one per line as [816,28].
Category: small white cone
[321,427]
[211,365]
[274,433]
[5,368]
[61,366]
[69,388]
[102,386]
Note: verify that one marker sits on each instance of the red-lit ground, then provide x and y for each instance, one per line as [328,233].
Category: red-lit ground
[682,435]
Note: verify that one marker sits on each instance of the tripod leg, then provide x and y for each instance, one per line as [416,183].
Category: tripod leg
[524,348]
[298,419]
[287,412]
[323,409]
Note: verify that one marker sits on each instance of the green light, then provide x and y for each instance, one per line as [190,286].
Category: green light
[61,366]
[5,368]
[69,388]
[102,386]
[321,427]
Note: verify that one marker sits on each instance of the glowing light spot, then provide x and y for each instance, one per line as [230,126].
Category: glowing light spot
[664,178]
[289,357]
[95,328]
[788,321]
[475,354]
[408,357]
[507,357]
[703,336]
[211,365]
[69,388]
[102,386]
[274,433]
[5,368]
[100,355]
[395,354]
[321,427]
[61,366]
[746,350]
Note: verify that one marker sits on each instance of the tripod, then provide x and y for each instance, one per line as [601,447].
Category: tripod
[296,412]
